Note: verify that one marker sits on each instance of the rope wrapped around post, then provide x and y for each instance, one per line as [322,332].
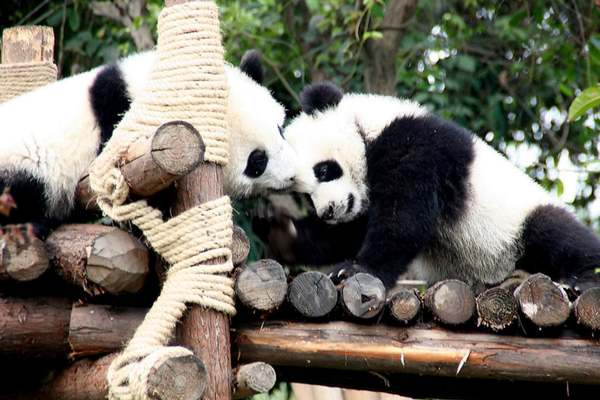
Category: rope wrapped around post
[19,78]
[187,83]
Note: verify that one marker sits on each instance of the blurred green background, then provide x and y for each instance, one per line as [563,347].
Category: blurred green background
[508,70]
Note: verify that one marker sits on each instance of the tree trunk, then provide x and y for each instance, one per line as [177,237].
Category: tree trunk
[380,54]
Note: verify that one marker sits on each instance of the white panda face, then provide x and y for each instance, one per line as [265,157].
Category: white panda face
[260,159]
[331,164]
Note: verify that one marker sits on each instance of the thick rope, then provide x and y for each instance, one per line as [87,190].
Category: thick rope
[19,78]
[187,83]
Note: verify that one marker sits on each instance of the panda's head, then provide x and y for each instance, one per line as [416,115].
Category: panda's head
[331,154]
[260,159]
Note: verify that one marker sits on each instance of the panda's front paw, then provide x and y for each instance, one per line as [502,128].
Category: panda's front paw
[344,270]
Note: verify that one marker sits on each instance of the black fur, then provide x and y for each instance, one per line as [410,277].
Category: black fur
[558,245]
[319,97]
[327,171]
[28,193]
[256,164]
[417,173]
[251,65]
[110,100]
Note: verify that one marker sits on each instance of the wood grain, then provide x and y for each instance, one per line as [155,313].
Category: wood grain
[27,44]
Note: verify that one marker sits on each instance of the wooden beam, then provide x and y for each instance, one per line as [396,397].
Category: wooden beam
[205,331]
[27,44]
[37,327]
[419,351]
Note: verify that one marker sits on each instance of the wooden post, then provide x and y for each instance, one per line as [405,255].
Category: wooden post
[253,378]
[27,44]
[205,331]
[451,302]
[404,305]
[363,296]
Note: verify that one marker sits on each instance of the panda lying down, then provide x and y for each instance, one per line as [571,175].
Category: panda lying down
[394,185]
[51,135]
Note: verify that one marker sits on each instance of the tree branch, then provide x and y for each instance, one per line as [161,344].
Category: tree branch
[126,13]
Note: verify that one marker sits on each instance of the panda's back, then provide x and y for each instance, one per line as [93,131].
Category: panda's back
[484,243]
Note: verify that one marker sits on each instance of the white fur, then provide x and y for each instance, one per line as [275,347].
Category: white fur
[484,245]
[52,132]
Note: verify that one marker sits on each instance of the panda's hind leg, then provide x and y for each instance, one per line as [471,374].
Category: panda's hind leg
[558,245]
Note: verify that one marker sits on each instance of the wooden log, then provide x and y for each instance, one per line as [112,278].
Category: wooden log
[262,285]
[363,296]
[496,309]
[421,351]
[312,294]
[542,301]
[23,257]
[451,302]
[240,246]
[99,258]
[27,44]
[253,378]
[404,305]
[175,378]
[152,165]
[36,327]
[587,309]
[100,329]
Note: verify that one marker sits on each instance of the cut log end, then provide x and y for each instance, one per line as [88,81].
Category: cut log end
[542,301]
[451,302]
[262,285]
[177,378]
[404,305]
[240,246]
[177,148]
[587,309]
[254,378]
[118,262]
[312,294]
[496,309]
[363,296]
[23,258]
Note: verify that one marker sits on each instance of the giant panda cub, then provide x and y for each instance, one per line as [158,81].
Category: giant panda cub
[50,136]
[394,187]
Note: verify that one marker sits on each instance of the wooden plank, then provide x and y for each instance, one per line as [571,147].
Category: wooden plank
[27,44]
[420,351]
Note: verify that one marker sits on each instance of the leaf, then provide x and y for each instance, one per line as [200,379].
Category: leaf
[74,20]
[560,187]
[466,63]
[587,100]
[372,35]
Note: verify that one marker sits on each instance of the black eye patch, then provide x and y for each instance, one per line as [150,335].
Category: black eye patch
[326,171]
[257,163]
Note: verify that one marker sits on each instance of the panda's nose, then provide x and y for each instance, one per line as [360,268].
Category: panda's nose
[328,214]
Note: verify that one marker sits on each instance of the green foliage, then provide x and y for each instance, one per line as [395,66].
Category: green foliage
[587,100]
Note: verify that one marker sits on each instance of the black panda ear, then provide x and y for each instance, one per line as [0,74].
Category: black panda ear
[251,65]
[319,97]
